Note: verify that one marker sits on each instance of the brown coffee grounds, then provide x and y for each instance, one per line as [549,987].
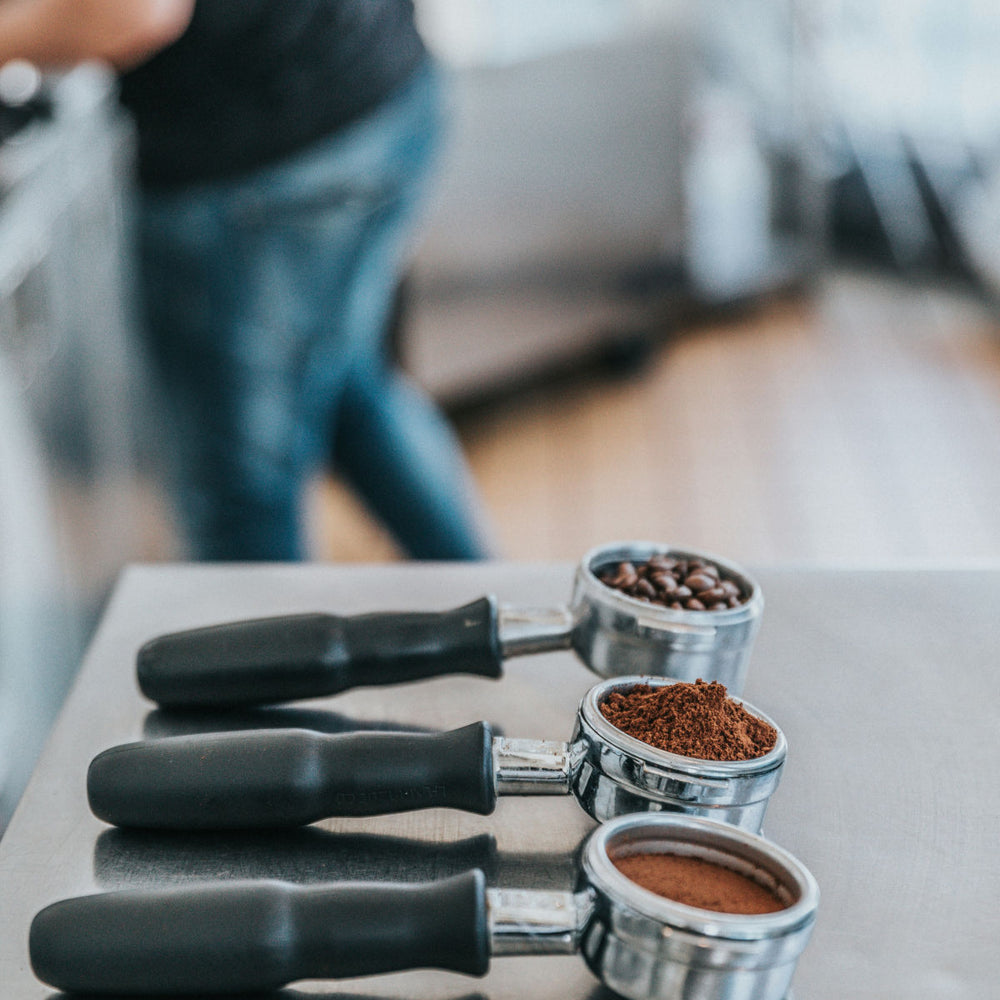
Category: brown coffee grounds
[695,882]
[695,720]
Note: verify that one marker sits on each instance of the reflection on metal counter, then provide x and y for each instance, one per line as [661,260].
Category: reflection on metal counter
[313,855]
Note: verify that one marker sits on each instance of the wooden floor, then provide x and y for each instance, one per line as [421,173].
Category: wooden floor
[858,426]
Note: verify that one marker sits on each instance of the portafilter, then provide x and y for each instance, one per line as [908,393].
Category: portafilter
[288,657]
[235,937]
[264,778]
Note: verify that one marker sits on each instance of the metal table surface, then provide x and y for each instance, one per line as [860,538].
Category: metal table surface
[884,682]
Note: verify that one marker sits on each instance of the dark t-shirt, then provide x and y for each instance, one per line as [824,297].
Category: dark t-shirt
[252,81]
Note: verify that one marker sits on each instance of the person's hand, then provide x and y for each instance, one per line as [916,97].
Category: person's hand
[123,33]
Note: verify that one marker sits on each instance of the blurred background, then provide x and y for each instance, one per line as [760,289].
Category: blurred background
[718,274]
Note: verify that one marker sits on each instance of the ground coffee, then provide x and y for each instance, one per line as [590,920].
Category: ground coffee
[695,720]
[682,584]
[698,883]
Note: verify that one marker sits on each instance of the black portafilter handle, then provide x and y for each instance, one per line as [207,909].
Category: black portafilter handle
[265,660]
[272,778]
[239,937]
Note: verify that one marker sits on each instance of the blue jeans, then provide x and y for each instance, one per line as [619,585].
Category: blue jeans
[267,302]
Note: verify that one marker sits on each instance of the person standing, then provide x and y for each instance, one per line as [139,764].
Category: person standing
[284,147]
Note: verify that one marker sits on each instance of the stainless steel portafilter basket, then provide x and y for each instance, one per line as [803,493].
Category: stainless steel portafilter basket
[618,635]
[236,937]
[644,946]
[289,777]
[287,657]
[618,774]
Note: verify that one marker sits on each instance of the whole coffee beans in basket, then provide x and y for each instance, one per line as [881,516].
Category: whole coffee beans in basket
[694,584]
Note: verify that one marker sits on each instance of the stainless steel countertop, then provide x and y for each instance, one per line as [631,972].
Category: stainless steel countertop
[884,682]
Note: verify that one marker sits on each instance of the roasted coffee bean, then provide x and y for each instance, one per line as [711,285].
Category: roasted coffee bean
[664,582]
[662,563]
[693,584]
[712,595]
[623,577]
[699,581]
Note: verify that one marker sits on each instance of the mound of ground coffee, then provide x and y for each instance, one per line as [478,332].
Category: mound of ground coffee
[695,882]
[682,584]
[695,720]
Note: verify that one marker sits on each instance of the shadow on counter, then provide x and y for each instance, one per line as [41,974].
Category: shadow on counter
[161,722]
[286,994]
[126,858]
[599,993]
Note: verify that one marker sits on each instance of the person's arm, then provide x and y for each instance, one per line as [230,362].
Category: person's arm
[56,33]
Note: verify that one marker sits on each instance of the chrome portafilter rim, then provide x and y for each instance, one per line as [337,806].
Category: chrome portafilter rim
[593,722]
[597,592]
[746,853]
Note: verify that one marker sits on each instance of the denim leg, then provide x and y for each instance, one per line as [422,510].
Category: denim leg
[227,364]
[268,298]
[401,455]
[390,440]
